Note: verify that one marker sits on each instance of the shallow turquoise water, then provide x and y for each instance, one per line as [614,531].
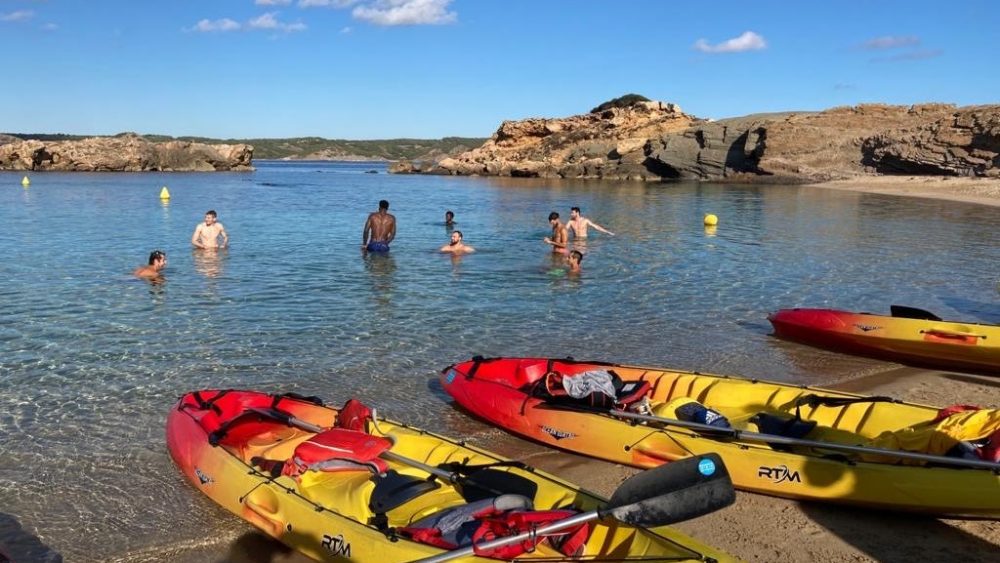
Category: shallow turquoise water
[91,359]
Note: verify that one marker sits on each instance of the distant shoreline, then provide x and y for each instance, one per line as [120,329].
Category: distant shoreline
[982,191]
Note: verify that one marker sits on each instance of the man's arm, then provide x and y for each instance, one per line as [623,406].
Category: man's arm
[560,241]
[196,237]
[225,236]
[599,228]
[367,231]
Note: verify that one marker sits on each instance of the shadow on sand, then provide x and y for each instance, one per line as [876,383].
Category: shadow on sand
[20,545]
[890,536]
[256,547]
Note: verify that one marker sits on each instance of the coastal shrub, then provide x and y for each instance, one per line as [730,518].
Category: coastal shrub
[625,101]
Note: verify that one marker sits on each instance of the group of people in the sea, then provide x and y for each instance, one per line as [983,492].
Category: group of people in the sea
[208,235]
[380,231]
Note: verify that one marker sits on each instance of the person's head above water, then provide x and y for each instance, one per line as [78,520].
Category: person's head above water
[448,216]
[574,212]
[157,255]
[456,237]
[383,204]
[574,259]
[553,216]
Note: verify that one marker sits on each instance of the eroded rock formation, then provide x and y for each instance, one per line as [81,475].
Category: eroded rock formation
[655,140]
[123,153]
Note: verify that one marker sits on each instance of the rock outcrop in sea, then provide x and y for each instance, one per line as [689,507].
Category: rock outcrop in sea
[656,140]
[122,153]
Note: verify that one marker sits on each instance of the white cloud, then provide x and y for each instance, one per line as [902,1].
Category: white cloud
[270,22]
[405,12]
[50,27]
[265,22]
[749,41]
[346,30]
[18,16]
[391,12]
[272,2]
[910,56]
[891,42]
[224,24]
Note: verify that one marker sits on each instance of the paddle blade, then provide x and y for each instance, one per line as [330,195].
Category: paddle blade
[673,492]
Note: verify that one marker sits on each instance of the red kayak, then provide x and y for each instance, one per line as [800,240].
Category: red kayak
[908,335]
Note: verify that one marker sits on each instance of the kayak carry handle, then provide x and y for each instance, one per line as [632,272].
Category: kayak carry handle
[945,333]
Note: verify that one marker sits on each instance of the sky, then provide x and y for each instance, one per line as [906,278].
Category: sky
[378,69]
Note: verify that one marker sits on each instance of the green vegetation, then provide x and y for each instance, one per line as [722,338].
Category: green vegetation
[620,102]
[315,147]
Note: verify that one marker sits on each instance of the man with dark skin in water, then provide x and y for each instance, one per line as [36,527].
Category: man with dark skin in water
[380,229]
[559,237]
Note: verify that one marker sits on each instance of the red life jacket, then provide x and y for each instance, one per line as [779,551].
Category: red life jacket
[338,449]
[490,522]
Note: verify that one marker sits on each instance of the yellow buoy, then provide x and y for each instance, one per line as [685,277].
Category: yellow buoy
[25,182]
[711,220]
[164,193]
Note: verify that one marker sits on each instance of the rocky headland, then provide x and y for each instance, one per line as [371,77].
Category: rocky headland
[654,141]
[122,153]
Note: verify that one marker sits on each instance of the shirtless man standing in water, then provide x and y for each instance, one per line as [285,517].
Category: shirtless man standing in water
[559,237]
[206,235]
[380,229]
[578,224]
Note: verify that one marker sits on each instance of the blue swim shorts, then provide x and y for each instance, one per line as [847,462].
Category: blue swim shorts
[378,246]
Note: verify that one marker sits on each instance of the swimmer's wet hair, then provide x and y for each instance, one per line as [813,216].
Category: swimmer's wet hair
[553,215]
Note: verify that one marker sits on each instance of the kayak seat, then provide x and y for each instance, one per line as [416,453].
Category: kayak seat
[561,388]
[781,425]
[394,489]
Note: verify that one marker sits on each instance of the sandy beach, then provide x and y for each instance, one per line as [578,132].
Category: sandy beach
[982,191]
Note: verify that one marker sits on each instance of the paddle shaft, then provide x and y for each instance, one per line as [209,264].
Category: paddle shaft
[563,524]
[717,432]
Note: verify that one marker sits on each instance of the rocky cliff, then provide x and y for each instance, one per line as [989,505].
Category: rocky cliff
[122,153]
[655,140]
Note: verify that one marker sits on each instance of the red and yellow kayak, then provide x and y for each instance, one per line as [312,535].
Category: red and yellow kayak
[925,341]
[342,484]
[832,454]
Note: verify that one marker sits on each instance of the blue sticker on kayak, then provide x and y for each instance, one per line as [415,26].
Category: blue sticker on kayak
[706,467]
[450,376]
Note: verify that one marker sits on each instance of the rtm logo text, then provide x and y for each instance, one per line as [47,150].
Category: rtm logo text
[779,474]
[336,545]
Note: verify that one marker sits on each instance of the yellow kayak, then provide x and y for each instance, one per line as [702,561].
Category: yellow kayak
[345,485]
[908,335]
[777,439]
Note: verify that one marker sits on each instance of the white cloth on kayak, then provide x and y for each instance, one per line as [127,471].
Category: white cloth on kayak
[584,384]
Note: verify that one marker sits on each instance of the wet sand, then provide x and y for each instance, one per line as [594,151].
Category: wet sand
[757,527]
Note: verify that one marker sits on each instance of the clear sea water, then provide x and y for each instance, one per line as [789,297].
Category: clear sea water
[91,359]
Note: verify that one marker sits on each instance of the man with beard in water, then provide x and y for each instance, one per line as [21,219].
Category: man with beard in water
[380,229]
[152,271]
[456,246]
